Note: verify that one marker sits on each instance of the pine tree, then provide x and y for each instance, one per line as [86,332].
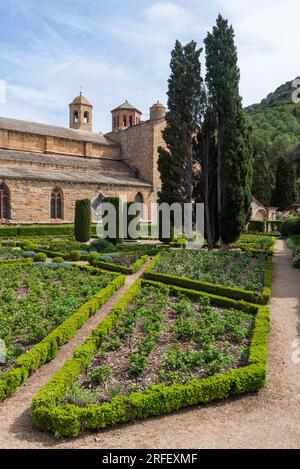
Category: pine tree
[185,96]
[234,173]
[285,192]
[263,179]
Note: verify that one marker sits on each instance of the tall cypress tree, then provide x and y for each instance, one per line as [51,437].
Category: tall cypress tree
[285,192]
[263,179]
[185,100]
[234,174]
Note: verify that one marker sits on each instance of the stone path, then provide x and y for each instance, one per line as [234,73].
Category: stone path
[270,419]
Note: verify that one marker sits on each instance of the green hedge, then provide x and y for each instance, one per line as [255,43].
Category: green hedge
[46,350]
[221,290]
[40,231]
[120,268]
[15,261]
[291,227]
[70,420]
[83,219]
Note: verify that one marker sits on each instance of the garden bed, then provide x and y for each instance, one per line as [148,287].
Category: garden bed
[160,349]
[239,275]
[124,262]
[41,308]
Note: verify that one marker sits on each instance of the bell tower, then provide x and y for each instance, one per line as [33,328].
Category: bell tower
[81,114]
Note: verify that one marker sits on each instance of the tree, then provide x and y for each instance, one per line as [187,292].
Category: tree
[263,179]
[83,213]
[205,176]
[285,192]
[233,132]
[185,99]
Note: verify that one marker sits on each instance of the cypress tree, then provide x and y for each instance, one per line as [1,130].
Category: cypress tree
[185,97]
[263,179]
[234,173]
[83,213]
[285,192]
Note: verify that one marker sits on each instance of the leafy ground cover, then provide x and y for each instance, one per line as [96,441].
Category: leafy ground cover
[293,243]
[255,242]
[36,299]
[163,339]
[9,253]
[243,270]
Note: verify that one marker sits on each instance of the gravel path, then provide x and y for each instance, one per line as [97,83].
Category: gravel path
[270,419]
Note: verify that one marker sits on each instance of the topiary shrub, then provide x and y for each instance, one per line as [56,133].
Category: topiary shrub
[290,227]
[129,219]
[40,257]
[93,256]
[256,226]
[83,213]
[99,244]
[107,258]
[58,260]
[75,255]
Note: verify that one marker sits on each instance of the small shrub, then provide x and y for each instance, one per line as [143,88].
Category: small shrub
[99,244]
[99,375]
[93,256]
[107,258]
[40,257]
[296,258]
[75,255]
[58,260]
[28,254]
[290,227]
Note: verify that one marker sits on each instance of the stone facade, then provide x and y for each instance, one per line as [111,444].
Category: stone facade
[35,159]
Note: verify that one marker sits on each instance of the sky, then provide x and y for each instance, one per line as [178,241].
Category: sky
[120,49]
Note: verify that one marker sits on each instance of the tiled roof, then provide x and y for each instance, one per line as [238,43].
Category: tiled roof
[94,164]
[126,106]
[53,131]
[15,172]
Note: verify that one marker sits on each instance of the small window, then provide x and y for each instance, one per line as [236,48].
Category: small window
[96,204]
[140,199]
[115,122]
[76,118]
[57,204]
[118,121]
[130,121]
[4,202]
[86,117]
[125,121]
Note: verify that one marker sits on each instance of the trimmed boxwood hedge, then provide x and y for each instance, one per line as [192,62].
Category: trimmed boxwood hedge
[69,420]
[222,290]
[40,231]
[120,268]
[15,261]
[46,350]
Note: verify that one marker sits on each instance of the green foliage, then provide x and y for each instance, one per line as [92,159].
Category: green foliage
[285,192]
[99,375]
[263,179]
[290,227]
[75,255]
[83,213]
[70,322]
[40,257]
[213,288]
[58,260]
[233,132]
[49,413]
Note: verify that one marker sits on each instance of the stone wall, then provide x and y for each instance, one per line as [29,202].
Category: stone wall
[30,200]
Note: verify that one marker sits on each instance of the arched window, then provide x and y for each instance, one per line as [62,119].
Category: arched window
[140,199]
[57,204]
[86,117]
[96,204]
[4,202]
[76,118]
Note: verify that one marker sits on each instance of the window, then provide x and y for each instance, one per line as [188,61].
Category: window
[4,202]
[130,121]
[86,117]
[140,199]
[96,204]
[76,119]
[115,122]
[57,204]
[125,121]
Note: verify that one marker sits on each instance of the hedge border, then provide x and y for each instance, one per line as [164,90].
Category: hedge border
[120,268]
[69,420]
[44,351]
[19,260]
[215,289]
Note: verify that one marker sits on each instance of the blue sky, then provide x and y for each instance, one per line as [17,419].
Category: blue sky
[120,50]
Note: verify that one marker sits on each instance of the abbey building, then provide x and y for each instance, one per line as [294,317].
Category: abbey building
[44,169]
